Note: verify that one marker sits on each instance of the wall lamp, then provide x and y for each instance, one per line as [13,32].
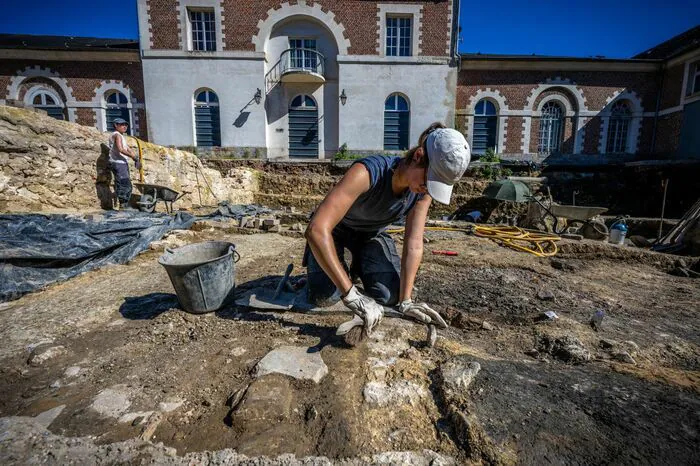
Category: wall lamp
[258,96]
[343,97]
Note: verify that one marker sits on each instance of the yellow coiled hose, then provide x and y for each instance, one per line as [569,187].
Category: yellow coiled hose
[534,242]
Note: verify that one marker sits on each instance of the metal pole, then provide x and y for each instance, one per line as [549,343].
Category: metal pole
[663,208]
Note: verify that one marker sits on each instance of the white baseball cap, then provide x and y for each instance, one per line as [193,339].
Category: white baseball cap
[449,156]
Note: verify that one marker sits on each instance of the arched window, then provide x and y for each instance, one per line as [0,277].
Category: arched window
[618,128]
[206,119]
[397,115]
[117,107]
[551,124]
[303,101]
[50,103]
[485,127]
[303,127]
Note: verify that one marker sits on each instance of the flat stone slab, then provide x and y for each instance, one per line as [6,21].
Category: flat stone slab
[112,402]
[294,361]
[398,393]
[47,417]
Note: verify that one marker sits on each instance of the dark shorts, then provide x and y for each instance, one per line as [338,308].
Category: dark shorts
[122,182]
[374,260]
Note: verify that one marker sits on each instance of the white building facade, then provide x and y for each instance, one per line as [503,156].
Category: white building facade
[296,80]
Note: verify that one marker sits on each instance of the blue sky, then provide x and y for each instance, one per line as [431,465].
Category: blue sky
[613,28]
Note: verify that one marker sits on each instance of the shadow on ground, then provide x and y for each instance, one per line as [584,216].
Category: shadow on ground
[148,306]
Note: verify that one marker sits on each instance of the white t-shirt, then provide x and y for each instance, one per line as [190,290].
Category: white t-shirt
[114,154]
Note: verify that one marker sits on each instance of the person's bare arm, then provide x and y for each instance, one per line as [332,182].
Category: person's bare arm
[327,216]
[413,246]
[119,141]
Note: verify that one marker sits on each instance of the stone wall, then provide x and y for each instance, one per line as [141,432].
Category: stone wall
[48,165]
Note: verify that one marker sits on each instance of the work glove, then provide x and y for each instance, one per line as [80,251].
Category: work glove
[367,312]
[422,313]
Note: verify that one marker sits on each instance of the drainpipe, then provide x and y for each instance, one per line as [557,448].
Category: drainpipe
[656,112]
[454,46]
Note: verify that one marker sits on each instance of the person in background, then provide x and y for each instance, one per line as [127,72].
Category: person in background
[374,193]
[118,164]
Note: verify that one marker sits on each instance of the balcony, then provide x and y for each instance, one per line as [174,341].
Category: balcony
[297,66]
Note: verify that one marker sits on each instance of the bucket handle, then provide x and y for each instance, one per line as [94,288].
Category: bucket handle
[236,256]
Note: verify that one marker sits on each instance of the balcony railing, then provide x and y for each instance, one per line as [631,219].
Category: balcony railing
[297,65]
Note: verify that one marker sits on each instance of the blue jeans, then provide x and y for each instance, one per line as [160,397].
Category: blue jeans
[374,260]
[122,182]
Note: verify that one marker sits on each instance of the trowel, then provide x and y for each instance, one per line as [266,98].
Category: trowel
[281,299]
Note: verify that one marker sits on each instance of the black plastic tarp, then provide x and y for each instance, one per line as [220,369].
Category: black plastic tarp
[38,249]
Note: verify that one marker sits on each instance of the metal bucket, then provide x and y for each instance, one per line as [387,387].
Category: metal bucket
[203,274]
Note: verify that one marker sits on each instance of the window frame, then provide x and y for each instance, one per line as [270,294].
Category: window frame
[485,115]
[694,79]
[112,92]
[191,41]
[208,103]
[403,43]
[303,105]
[541,149]
[396,110]
[42,92]
[618,128]
[299,55]
[405,10]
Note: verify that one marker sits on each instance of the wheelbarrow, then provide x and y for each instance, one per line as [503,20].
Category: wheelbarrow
[152,193]
[574,215]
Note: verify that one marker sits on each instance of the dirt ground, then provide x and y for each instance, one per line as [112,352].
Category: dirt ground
[549,391]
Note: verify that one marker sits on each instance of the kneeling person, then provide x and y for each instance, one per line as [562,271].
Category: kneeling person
[374,193]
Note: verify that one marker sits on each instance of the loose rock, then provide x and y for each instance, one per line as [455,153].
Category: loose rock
[112,402]
[171,404]
[267,399]
[42,354]
[631,347]
[297,362]
[624,356]
[607,344]
[72,371]
[567,348]
[545,295]
[458,373]
[487,326]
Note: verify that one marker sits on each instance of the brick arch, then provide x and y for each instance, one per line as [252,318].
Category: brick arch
[488,93]
[100,105]
[561,95]
[629,96]
[635,126]
[575,104]
[497,98]
[13,89]
[98,98]
[557,82]
[28,85]
[287,10]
